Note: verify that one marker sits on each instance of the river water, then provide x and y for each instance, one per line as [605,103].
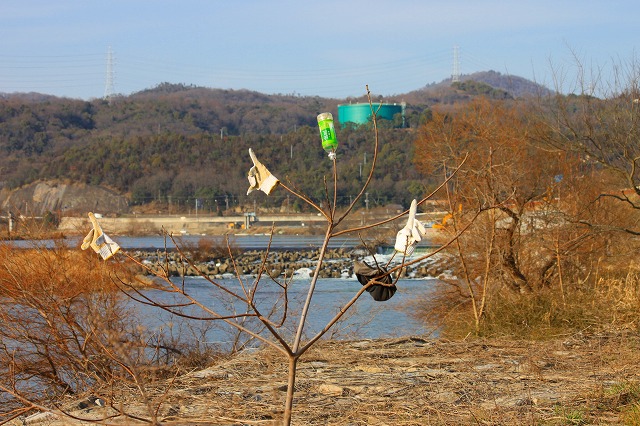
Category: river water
[366,318]
[244,242]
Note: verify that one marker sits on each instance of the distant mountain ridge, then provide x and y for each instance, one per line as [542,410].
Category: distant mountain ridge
[445,91]
[518,87]
[177,141]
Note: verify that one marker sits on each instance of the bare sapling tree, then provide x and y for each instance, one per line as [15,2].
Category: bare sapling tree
[265,318]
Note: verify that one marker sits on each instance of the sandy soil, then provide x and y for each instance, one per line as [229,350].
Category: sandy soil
[579,379]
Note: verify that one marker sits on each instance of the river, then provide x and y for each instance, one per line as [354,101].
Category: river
[366,319]
[244,242]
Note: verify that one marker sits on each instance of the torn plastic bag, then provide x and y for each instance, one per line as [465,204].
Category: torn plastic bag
[365,273]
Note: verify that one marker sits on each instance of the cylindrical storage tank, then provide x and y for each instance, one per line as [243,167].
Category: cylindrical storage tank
[361,113]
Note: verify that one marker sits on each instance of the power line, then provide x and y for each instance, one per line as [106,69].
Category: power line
[57,72]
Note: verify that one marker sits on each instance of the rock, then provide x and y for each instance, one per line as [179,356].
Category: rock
[329,389]
[40,418]
[275,272]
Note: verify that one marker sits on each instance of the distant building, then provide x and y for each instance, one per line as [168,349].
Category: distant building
[361,113]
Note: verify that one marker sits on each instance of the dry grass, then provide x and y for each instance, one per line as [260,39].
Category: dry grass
[613,301]
[579,379]
[62,271]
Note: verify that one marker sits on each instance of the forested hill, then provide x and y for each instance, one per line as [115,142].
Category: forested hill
[179,142]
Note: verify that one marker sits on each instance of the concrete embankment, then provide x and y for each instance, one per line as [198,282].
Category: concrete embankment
[190,224]
[213,225]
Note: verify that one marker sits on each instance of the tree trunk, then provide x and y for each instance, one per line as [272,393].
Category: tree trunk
[291,387]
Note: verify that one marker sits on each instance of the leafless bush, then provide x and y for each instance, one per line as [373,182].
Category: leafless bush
[558,216]
[65,330]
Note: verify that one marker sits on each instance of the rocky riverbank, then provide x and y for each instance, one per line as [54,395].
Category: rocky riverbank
[338,263]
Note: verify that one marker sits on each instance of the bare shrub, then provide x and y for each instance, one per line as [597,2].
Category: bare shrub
[65,330]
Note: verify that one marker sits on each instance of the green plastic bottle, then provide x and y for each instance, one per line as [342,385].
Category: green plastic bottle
[328,133]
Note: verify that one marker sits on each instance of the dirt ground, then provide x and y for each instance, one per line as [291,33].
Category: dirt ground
[574,380]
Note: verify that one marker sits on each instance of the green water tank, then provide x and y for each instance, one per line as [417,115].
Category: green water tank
[361,113]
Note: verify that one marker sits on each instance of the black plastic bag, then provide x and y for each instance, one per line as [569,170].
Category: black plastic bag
[366,273]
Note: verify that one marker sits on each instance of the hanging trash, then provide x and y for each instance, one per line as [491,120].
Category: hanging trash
[366,273]
[99,241]
[260,177]
[328,134]
[408,237]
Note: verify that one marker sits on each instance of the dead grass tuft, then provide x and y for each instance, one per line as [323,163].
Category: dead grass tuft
[611,302]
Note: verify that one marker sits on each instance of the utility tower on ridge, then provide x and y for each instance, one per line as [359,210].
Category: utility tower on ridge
[108,88]
[455,74]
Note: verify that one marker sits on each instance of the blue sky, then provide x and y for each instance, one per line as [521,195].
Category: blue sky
[328,48]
